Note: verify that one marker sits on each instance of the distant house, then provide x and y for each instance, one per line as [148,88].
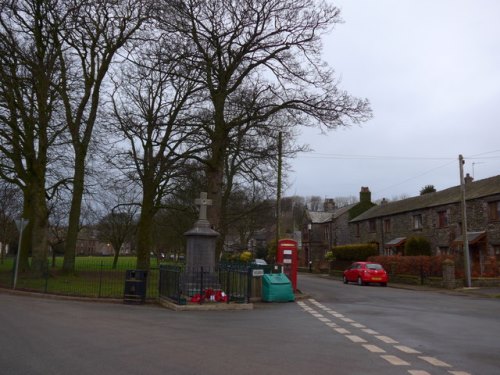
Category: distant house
[437,216]
[324,229]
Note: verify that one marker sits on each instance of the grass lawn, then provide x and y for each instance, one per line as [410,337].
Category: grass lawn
[93,277]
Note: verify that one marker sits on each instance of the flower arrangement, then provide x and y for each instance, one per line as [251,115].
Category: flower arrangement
[210,295]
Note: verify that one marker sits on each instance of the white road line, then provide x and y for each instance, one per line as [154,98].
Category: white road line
[393,360]
[347,320]
[342,331]
[406,349]
[373,348]
[435,362]
[355,338]
[386,339]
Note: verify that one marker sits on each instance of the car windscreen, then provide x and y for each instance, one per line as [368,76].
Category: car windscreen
[374,266]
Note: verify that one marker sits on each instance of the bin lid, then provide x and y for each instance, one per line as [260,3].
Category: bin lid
[276,278]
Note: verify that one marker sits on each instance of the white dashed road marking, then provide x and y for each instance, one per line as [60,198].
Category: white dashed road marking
[435,362]
[406,349]
[355,338]
[342,331]
[373,348]
[396,361]
[392,359]
[386,339]
[347,320]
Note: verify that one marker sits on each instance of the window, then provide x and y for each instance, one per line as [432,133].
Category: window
[387,225]
[372,226]
[417,222]
[442,219]
[494,211]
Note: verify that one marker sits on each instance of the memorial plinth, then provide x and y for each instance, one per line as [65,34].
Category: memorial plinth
[200,251]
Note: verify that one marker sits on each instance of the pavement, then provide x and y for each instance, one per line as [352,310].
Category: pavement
[488,292]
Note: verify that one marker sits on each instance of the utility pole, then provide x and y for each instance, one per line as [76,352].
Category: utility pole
[465,238]
[278,192]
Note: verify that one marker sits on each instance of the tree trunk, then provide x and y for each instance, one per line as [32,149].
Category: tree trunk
[145,229]
[115,258]
[75,211]
[39,231]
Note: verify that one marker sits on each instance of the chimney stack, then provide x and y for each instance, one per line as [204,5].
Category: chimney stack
[329,205]
[468,178]
[365,196]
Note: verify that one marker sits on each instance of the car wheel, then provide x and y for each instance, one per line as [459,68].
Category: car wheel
[360,282]
[384,284]
[345,280]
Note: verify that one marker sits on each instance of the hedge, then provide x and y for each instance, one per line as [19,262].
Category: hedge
[355,252]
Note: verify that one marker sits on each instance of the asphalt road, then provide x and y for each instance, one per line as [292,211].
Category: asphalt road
[339,329]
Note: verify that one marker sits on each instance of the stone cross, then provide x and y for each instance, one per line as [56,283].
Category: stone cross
[203,202]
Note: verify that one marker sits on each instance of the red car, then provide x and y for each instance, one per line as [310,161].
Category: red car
[366,272]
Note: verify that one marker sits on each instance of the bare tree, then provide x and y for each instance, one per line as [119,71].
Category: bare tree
[117,227]
[94,33]
[256,59]
[315,203]
[29,76]
[152,108]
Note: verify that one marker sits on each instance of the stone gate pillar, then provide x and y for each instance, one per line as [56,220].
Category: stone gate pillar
[449,274]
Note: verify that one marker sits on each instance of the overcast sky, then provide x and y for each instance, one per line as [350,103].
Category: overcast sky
[431,70]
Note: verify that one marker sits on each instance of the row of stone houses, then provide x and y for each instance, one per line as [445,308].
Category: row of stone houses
[436,216]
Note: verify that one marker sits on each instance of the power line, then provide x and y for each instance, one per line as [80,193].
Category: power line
[318,155]
[415,177]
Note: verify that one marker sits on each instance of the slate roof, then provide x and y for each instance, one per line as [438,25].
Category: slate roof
[320,217]
[473,190]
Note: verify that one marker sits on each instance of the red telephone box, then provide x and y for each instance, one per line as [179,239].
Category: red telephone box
[287,257]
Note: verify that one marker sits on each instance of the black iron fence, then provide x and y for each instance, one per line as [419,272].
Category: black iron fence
[96,277]
[227,282]
[93,277]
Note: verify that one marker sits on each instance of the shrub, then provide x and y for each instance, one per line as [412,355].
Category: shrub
[329,256]
[355,252]
[417,246]
[246,256]
[412,265]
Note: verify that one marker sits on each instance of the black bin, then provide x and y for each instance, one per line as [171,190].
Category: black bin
[135,286]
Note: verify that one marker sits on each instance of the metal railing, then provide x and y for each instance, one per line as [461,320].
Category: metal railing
[227,282]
